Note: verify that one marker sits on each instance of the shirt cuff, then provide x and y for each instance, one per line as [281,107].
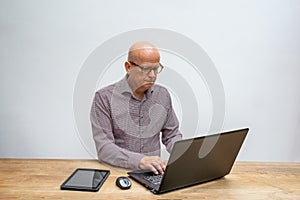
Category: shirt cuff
[134,161]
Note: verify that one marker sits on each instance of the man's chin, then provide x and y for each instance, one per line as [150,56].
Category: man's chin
[148,85]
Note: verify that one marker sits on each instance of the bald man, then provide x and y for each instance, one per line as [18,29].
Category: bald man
[129,117]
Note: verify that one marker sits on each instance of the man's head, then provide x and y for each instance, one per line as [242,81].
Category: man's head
[142,66]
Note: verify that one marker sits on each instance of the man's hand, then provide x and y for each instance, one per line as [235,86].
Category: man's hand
[153,163]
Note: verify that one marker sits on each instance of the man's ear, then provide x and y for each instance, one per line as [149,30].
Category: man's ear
[127,67]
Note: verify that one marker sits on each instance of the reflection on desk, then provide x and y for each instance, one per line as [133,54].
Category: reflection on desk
[41,178]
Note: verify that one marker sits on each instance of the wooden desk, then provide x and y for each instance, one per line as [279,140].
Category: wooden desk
[41,179]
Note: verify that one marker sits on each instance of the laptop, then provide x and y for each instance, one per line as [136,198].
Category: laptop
[194,161]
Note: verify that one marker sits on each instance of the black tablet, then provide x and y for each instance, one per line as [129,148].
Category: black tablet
[85,180]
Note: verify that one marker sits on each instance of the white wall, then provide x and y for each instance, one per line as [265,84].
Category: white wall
[255,46]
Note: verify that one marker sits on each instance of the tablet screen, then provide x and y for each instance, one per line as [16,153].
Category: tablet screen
[86,179]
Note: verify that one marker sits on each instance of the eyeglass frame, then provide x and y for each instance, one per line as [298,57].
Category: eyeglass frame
[142,68]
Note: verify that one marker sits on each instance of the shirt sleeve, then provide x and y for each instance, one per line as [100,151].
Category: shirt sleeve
[107,150]
[170,130]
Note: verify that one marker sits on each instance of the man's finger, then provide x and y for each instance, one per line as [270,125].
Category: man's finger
[159,166]
[153,169]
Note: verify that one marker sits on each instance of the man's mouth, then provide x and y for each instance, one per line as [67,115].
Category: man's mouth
[149,81]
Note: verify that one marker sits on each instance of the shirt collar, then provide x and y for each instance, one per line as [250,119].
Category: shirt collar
[124,86]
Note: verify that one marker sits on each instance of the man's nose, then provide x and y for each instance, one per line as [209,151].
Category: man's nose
[152,73]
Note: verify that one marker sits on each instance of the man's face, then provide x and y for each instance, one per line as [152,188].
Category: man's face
[141,69]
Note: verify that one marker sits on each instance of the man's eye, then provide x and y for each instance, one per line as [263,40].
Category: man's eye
[148,68]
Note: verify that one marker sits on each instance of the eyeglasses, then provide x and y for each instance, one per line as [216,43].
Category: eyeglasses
[147,70]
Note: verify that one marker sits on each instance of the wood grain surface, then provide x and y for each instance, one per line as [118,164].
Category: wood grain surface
[41,179]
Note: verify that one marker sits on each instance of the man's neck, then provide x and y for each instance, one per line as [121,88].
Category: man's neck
[139,94]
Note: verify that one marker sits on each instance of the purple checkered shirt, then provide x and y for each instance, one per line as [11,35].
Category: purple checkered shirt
[125,129]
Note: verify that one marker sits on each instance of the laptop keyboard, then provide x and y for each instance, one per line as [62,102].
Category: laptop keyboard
[155,179]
